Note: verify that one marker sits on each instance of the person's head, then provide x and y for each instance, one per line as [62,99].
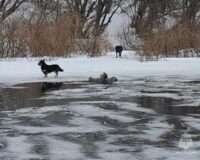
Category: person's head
[103,76]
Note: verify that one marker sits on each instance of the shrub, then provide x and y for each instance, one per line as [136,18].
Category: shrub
[171,42]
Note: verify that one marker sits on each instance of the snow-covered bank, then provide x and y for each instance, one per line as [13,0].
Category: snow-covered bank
[80,68]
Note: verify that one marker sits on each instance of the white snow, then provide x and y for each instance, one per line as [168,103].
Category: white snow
[80,68]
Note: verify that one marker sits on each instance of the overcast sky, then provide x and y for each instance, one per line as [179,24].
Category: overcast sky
[118,21]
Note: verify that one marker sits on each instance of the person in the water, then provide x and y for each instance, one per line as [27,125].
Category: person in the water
[103,79]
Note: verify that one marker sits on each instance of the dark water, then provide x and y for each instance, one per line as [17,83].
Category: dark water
[147,118]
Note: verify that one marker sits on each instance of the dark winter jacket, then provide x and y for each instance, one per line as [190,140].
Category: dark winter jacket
[103,81]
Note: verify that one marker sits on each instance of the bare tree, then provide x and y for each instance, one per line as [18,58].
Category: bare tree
[147,15]
[190,10]
[162,26]
[54,27]
[45,11]
[7,7]
[91,17]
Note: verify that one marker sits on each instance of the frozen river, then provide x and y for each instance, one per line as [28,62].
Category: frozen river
[136,119]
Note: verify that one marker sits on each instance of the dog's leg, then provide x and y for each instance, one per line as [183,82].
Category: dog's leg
[56,74]
[45,75]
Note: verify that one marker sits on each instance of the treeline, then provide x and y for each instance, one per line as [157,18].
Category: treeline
[157,28]
[163,28]
[54,27]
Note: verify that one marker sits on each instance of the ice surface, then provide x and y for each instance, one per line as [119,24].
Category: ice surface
[80,68]
[142,116]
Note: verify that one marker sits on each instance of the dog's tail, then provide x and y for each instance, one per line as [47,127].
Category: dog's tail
[60,69]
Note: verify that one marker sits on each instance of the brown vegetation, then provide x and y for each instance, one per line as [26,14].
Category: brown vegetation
[54,28]
[163,28]
[51,39]
[59,28]
[171,42]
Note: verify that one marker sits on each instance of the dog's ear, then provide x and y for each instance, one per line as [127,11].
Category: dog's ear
[43,59]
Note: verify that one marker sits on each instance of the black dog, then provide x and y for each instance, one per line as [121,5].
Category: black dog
[119,50]
[46,69]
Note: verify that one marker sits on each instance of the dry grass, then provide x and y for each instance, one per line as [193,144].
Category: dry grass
[60,38]
[55,39]
[93,46]
[12,43]
[169,42]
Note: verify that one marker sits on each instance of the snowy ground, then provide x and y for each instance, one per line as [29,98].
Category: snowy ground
[80,68]
[152,112]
